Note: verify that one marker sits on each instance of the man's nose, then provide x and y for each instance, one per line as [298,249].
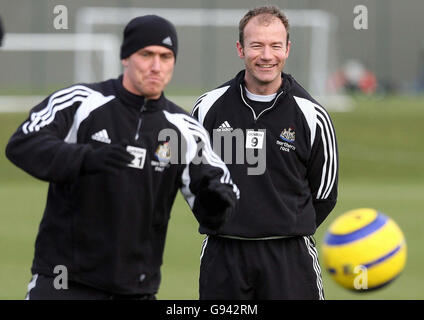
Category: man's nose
[266,53]
[156,63]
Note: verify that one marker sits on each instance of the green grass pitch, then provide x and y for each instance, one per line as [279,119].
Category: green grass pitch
[381,166]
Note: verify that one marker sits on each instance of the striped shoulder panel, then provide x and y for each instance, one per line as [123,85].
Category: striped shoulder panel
[205,102]
[308,110]
[59,100]
[317,117]
[62,99]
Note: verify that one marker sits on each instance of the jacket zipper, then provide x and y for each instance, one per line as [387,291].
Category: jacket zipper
[140,120]
[253,111]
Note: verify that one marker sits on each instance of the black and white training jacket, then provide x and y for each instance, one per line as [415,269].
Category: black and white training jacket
[298,188]
[109,230]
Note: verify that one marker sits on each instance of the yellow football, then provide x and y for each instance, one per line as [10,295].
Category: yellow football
[363,249]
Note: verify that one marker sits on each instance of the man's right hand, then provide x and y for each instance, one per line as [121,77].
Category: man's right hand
[217,202]
[108,158]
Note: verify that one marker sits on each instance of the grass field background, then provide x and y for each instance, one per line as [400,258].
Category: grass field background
[381,166]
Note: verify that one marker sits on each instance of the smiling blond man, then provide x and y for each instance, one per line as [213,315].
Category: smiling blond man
[266,249]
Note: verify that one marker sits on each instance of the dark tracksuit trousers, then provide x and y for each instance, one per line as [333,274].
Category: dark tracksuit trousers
[288,270]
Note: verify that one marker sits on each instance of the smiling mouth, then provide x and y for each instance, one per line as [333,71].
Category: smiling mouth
[266,66]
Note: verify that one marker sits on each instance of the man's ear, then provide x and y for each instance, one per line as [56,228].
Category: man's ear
[124,62]
[288,49]
[240,50]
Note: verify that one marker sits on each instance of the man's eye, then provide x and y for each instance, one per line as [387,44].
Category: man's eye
[167,56]
[145,54]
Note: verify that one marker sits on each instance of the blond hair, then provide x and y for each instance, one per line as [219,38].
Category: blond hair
[268,14]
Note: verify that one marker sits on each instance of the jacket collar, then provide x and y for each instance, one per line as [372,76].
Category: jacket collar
[137,101]
[286,85]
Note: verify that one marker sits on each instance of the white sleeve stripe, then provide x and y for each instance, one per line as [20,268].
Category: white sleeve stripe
[207,101]
[226,178]
[329,155]
[199,98]
[38,123]
[324,167]
[330,148]
[190,128]
[63,99]
[56,96]
[58,101]
[46,112]
[316,115]
[196,103]
[194,110]
[59,107]
[194,122]
[332,140]
[205,137]
[325,116]
[209,154]
[333,178]
[177,120]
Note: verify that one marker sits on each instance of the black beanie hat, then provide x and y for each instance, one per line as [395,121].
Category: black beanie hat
[149,30]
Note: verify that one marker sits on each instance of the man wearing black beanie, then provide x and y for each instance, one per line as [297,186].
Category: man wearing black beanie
[115,154]
[146,31]
[148,54]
